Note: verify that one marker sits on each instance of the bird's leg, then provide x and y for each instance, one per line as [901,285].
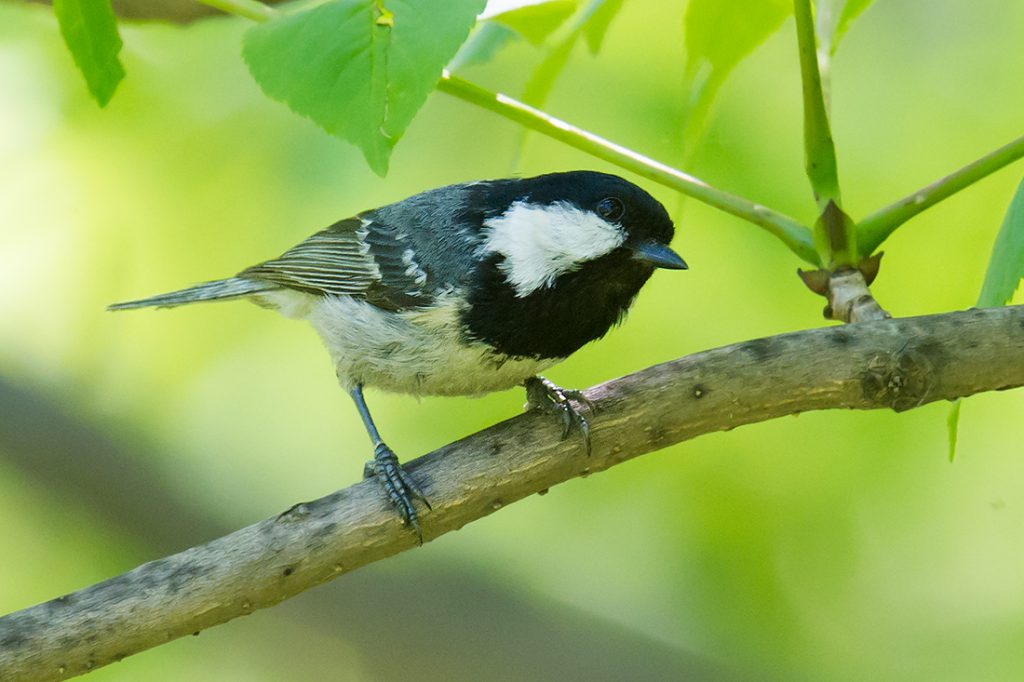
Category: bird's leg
[398,485]
[542,394]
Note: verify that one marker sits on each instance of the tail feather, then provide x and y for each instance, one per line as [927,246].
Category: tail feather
[218,290]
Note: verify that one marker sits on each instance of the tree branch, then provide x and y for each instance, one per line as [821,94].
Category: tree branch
[113,480]
[898,364]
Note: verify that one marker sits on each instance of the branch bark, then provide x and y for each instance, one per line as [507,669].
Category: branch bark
[897,364]
[108,478]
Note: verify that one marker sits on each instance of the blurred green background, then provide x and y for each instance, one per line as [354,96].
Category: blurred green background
[840,546]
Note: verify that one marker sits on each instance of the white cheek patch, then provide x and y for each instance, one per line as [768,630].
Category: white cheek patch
[540,243]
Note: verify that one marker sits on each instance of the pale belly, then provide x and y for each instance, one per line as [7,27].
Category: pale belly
[416,352]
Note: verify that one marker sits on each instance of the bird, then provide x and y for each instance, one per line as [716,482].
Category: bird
[464,289]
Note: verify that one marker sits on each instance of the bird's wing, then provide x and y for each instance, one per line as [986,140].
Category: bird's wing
[357,257]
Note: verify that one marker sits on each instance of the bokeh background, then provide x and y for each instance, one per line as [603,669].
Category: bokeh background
[836,545]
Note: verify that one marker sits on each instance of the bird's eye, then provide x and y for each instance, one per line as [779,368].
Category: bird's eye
[610,208]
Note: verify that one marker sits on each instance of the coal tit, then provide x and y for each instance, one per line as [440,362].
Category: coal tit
[463,290]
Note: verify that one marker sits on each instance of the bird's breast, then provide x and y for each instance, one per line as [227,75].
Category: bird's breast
[420,352]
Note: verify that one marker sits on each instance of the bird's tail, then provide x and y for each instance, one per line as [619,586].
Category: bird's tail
[218,290]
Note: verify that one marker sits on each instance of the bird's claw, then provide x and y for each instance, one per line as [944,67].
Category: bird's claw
[542,394]
[397,484]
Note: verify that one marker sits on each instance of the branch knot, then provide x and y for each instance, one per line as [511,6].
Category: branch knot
[901,380]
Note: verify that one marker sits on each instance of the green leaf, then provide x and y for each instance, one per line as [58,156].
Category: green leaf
[832,19]
[851,10]
[90,32]
[532,20]
[1006,267]
[543,79]
[537,21]
[597,14]
[360,69]
[718,35]
[486,42]
[597,24]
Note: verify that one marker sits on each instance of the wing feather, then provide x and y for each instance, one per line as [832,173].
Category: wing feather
[355,257]
[334,261]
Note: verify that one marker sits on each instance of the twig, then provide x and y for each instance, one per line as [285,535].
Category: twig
[790,231]
[835,234]
[850,299]
[897,364]
[874,229]
[819,151]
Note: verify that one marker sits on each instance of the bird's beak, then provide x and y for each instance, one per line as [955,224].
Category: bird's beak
[658,255]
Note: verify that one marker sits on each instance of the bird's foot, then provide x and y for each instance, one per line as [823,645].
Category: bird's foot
[542,394]
[397,484]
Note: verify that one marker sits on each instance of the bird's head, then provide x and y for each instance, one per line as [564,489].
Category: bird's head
[545,227]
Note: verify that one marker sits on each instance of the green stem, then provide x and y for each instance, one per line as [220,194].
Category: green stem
[835,235]
[818,148]
[792,233]
[825,23]
[875,228]
[250,9]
